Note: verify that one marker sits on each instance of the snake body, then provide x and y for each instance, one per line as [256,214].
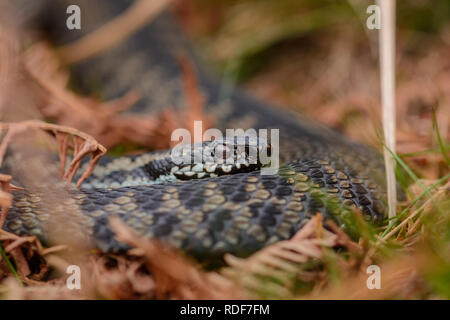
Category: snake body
[239,212]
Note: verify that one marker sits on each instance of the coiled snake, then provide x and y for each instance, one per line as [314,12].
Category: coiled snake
[239,212]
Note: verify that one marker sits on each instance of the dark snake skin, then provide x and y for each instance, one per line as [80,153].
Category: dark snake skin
[321,170]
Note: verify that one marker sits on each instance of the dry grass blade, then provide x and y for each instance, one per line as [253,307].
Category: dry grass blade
[83,144]
[420,212]
[387,67]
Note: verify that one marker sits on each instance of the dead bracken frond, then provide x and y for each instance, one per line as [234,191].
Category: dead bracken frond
[119,277]
[271,272]
[82,145]
[111,127]
[174,275]
[286,260]
[65,107]
[28,254]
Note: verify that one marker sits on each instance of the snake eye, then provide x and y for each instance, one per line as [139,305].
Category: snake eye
[222,151]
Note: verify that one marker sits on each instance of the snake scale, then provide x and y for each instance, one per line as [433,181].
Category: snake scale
[239,213]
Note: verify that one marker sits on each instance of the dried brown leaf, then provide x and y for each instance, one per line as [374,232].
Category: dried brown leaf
[83,144]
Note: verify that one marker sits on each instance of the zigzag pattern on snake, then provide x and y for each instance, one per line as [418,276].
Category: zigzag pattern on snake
[238,213]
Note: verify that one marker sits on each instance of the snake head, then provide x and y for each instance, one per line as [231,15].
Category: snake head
[218,157]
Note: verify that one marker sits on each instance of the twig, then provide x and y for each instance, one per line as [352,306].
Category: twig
[113,32]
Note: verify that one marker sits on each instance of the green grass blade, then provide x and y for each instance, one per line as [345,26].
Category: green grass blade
[439,138]
[424,152]
[8,262]
[403,164]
